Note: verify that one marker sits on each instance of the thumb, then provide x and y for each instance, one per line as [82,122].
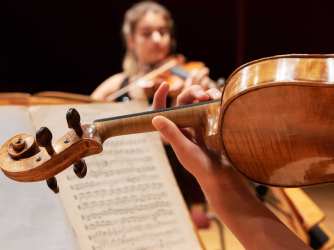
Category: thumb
[181,145]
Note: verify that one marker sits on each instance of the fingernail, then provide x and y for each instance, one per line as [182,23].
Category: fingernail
[218,94]
[159,122]
[201,92]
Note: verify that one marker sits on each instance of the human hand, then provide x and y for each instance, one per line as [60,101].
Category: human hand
[198,77]
[210,167]
[254,225]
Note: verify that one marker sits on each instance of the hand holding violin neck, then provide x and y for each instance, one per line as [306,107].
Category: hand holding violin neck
[183,116]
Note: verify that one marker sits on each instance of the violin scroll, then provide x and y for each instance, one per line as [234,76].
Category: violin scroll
[22,160]
[18,144]
[22,146]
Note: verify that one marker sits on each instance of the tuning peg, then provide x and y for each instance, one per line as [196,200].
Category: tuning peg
[52,183]
[44,138]
[73,121]
[80,168]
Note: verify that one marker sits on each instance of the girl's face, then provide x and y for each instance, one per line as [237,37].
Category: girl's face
[151,39]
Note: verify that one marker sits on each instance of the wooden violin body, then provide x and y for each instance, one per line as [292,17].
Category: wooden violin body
[277,120]
[274,125]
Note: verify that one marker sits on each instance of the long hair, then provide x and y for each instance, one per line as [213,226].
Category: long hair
[132,15]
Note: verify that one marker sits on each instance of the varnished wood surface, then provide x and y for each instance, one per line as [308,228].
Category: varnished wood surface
[193,116]
[277,120]
[277,69]
[29,146]
[30,170]
[212,137]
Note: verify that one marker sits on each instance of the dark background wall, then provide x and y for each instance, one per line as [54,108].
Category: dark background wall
[73,46]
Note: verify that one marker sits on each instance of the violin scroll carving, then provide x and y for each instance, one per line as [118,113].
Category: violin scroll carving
[24,161]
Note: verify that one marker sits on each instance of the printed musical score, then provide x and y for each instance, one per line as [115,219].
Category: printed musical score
[129,199]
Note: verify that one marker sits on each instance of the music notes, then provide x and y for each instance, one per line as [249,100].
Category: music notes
[129,199]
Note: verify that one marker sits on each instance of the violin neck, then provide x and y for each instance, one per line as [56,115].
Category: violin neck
[193,115]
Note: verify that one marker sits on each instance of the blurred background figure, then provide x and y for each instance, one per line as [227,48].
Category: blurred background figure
[148,31]
[73,47]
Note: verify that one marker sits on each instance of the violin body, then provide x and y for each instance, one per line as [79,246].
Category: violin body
[172,69]
[175,77]
[274,124]
[176,82]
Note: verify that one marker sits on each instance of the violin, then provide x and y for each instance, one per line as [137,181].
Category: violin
[274,124]
[173,70]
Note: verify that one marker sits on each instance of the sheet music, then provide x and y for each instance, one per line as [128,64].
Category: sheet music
[129,199]
[31,217]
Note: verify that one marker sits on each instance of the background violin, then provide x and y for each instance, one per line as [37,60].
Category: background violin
[173,70]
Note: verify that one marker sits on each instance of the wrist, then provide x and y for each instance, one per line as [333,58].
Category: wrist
[226,181]
[227,192]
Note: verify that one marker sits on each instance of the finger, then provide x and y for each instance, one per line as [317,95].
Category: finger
[205,82]
[191,94]
[160,96]
[214,94]
[201,74]
[191,78]
[181,145]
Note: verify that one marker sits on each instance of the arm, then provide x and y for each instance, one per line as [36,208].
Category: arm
[109,86]
[255,226]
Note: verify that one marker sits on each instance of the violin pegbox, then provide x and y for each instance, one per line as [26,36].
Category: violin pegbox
[73,121]
[44,139]
[22,160]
